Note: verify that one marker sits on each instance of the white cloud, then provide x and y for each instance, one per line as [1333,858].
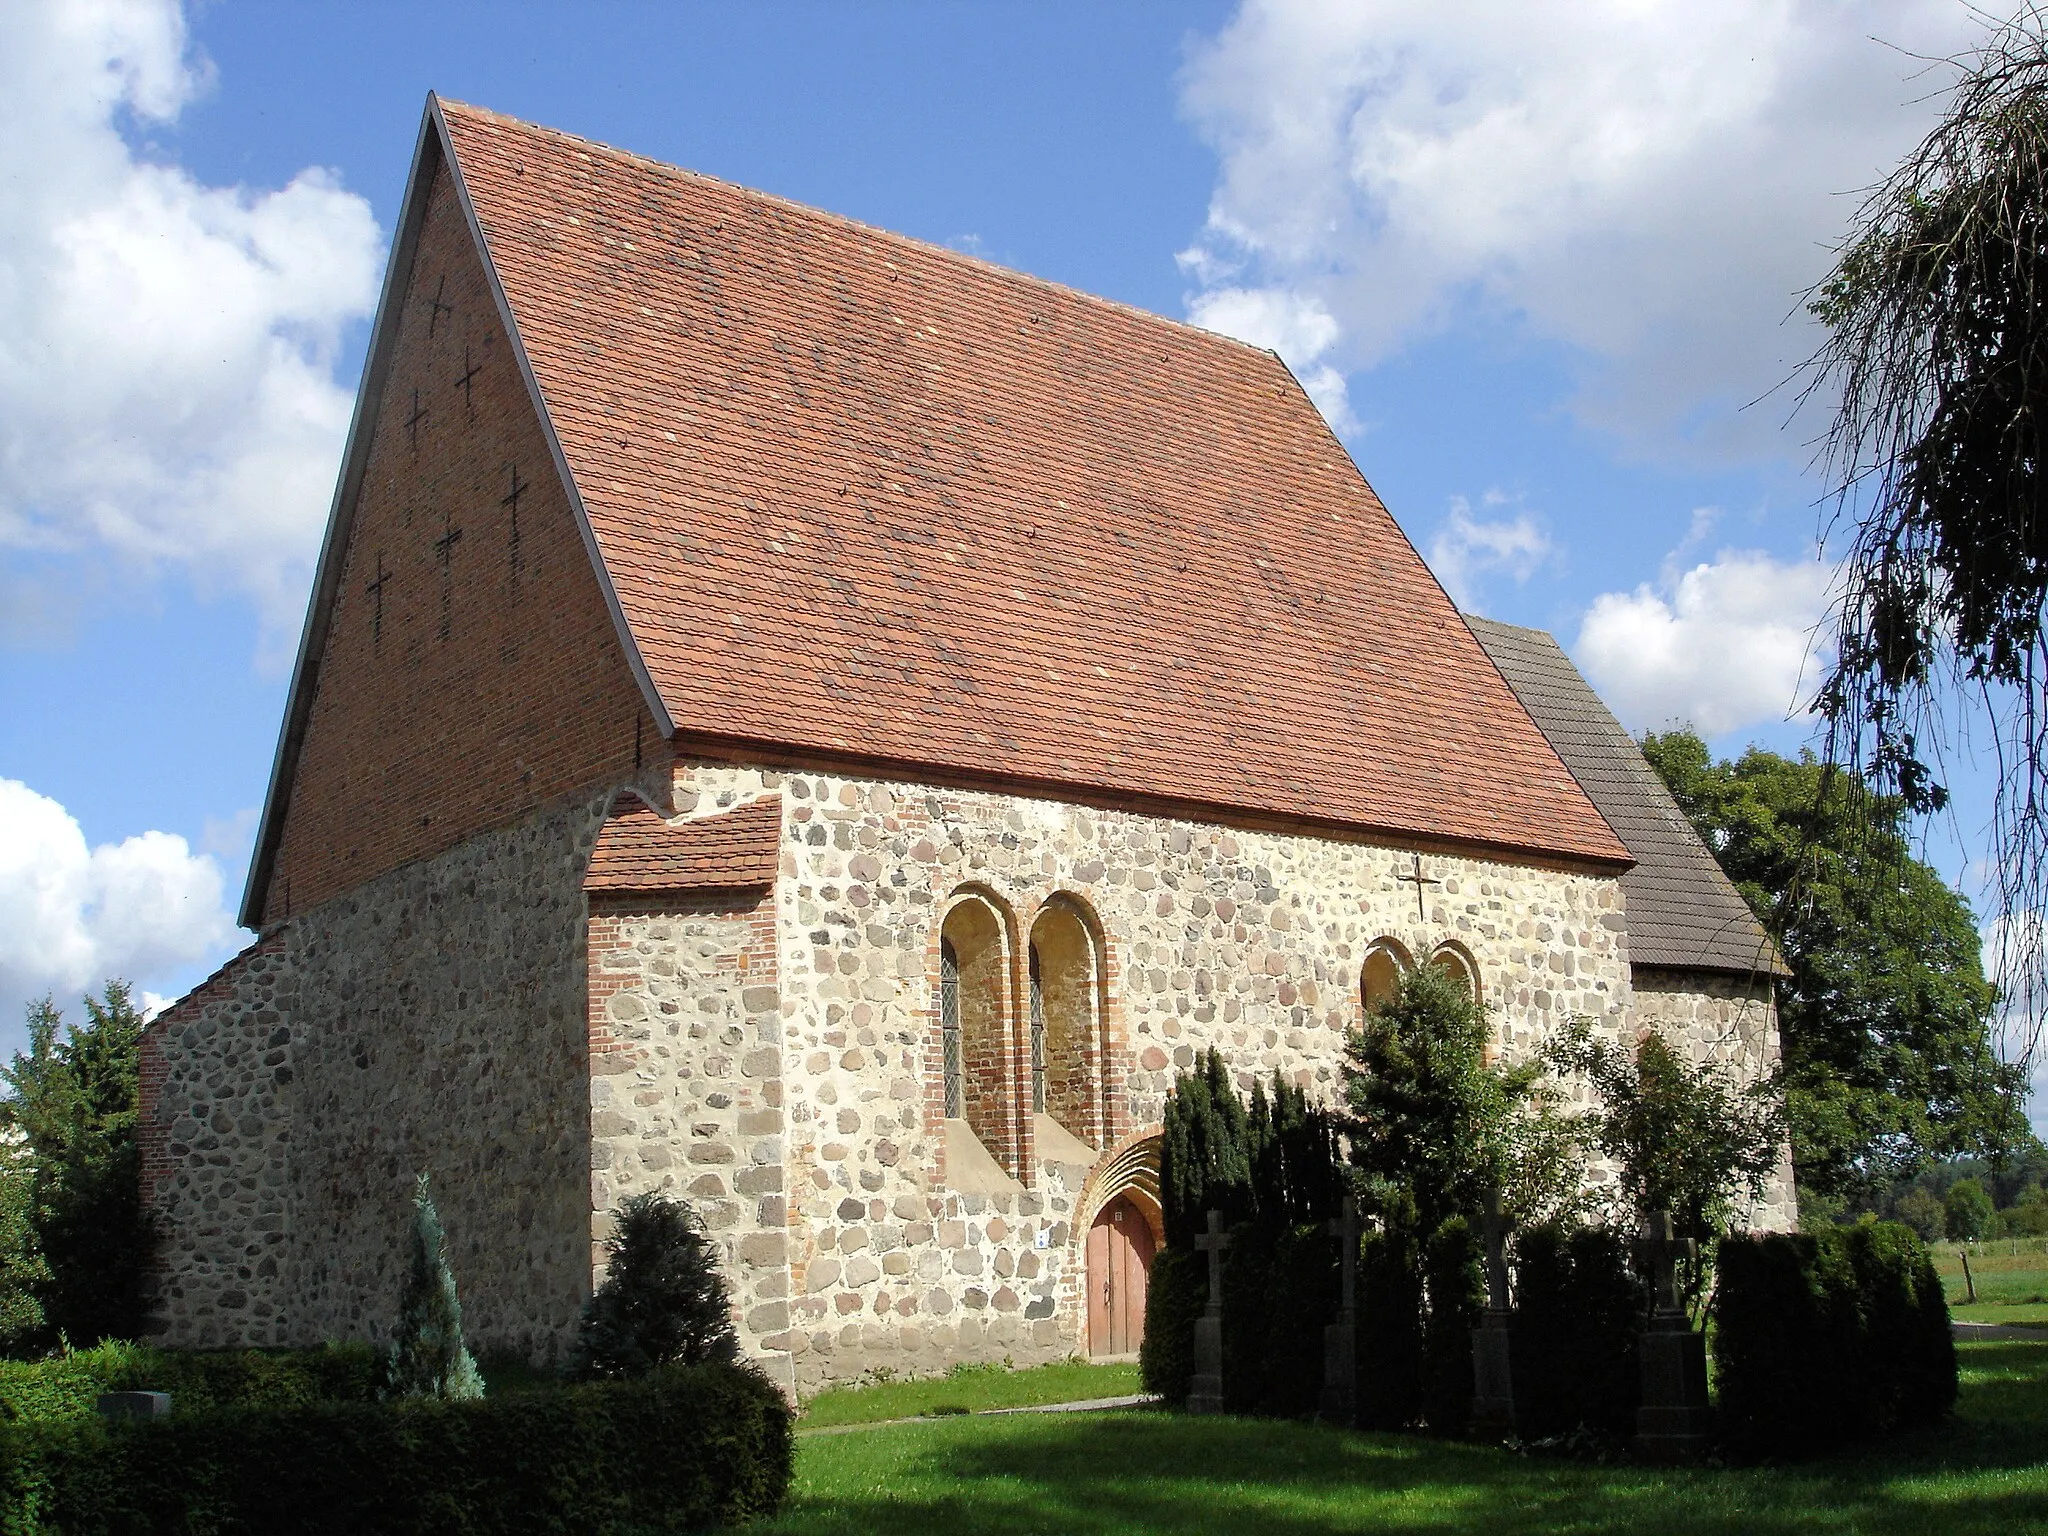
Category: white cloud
[1652,186]
[1722,645]
[1295,325]
[167,394]
[1466,547]
[146,909]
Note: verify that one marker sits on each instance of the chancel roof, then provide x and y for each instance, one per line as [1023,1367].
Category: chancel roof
[1683,912]
[638,851]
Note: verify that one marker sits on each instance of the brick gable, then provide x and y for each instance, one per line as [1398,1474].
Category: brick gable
[470,669]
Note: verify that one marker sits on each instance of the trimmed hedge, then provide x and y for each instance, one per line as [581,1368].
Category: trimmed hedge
[1176,1291]
[679,1450]
[65,1386]
[1279,1290]
[1829,1338]
[1578,1313]
[1389,1330]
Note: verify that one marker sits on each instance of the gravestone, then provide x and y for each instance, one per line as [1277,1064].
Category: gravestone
[1493,1372]
[1674,1421]
[1205,1393]
[1340,1339]
[133,1405]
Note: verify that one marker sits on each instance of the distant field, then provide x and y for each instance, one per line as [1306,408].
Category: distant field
[2011,1276]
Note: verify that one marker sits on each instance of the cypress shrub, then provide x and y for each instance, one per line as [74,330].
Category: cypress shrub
[1828,1338]
[1389,1329]
[1175,1294]
[1578,1313]
[1279,1290]
[663,1301]
[1455,1293]
[674,1451]
[428,1357]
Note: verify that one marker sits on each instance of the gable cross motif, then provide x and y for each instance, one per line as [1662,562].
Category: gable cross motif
[436,309]
[444,551]
[412,422]
[375,591]
[469,372]
[1418,879]
[510,502]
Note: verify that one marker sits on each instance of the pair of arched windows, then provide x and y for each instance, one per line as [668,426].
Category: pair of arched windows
[1000,1063]
[1388,960]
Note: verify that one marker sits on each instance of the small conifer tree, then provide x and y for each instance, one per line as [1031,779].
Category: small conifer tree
[428,1357]
[663,1301]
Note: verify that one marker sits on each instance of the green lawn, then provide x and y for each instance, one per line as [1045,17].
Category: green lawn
[1149,1471]
[969,1390]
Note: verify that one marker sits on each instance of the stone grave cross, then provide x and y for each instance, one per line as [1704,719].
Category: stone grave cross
[1674,1421]
[1205,1393]
[1493,1376]
[1340,1339]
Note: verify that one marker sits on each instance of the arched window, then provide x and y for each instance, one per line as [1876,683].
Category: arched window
[974,1027]
[1385,963]
[1454,962]
[949,1027]
[1066,1021]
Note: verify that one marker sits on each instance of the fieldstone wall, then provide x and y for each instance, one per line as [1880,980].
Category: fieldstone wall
[215,1137]
[434,1018]
[686,1084]
[1248,941]
[1732,1020]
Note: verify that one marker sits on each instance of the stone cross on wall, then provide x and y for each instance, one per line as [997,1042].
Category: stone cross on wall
[1205,1392]
[1340,1339]
[1418,879]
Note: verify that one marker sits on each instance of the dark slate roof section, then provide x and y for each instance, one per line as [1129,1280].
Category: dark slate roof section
[1683,912]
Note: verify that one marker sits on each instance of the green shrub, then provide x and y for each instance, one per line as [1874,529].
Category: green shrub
[675,1451]
[1828,1338]
[428,1357]
[1279,1290]
[1175,1294]
[1578,1312]
[663,1301]
[1455,1293]
[66,1385]
[1389,1330]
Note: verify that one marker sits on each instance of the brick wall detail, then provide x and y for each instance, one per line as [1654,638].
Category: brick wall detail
[471,671]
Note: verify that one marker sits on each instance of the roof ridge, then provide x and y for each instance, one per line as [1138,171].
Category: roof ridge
[847,221]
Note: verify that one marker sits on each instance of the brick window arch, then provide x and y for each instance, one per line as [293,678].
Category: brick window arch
[1066,1019]
[1456,962]
[1386,962]
[975,1028]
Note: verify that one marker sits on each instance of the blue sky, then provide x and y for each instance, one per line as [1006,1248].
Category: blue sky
[1532,262]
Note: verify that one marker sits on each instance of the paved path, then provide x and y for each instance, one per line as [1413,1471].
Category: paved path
[1084,1405]
[1970,1333]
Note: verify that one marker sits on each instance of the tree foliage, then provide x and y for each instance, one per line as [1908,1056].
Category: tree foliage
[663,1301]
[1435,1126]
[83,1240]
[1684,1138]
[1888,1058]
[428,1357]
[1936,359]
[1272,1160]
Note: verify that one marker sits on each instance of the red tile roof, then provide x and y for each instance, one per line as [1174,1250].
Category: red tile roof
[638,851]
[866,496]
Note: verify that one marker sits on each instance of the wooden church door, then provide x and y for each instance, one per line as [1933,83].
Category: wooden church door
[1119,1257]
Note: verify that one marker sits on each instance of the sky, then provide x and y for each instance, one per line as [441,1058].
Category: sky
[1540,266]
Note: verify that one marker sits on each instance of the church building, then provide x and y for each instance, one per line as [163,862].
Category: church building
[826,727]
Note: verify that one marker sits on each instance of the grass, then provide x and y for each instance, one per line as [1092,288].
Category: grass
[969,1389]
[2010,1273]
[1135,1471]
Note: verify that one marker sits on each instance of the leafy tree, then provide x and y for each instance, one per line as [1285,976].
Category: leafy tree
[1937,361]
[428,1357]
[1966,1211]
[1921,1209]
[663,1301]
[1686,1139]
[73,1105]
[1888,1055]
[24,1277]
[1435,1127]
